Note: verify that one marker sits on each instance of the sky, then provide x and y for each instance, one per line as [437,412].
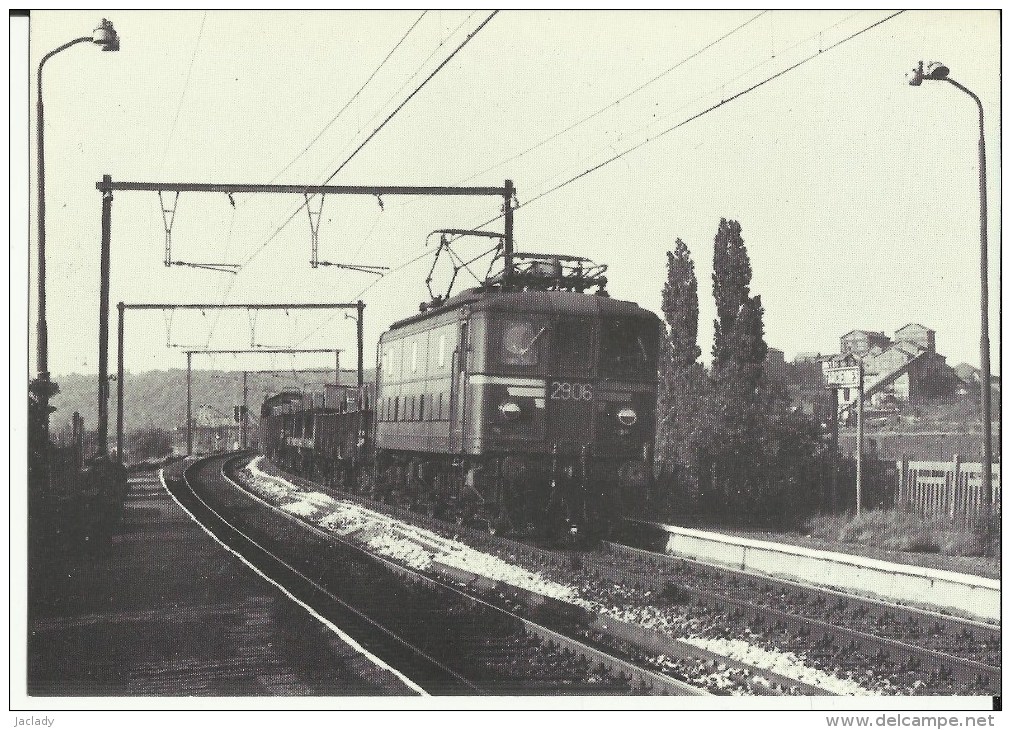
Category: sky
[857,194]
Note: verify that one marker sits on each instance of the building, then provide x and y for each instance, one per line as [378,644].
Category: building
[904,369]
[862,342]
[917,334]
[899,370]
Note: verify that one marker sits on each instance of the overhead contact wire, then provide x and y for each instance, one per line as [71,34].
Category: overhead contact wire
[376,131]
[692,118]
[352,99]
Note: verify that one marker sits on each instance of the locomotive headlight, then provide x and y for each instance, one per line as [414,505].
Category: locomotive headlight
[510,410]
[627,417]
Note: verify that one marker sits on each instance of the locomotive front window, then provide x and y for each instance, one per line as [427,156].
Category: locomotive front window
[573,343]
[521,343]
[628,347]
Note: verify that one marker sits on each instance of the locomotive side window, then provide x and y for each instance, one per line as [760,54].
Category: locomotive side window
[442,350]
[521,342]
[628,347]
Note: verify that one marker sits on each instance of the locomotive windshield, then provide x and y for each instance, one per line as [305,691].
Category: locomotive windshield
[572,341]
[628,347]
[521,342]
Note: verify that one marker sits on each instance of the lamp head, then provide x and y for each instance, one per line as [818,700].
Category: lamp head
[106,37]
[934,71]
[916,76]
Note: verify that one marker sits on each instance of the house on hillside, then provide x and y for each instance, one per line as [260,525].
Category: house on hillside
[213,430]
[863,342]
[903,369]
[967,374]
[918,335]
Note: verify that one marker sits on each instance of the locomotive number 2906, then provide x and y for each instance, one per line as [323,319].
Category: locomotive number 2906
[571,391]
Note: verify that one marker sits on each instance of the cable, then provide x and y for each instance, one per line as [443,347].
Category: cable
[721,87]
[601,110]
[422,85]
[182,96]
[395,269]
[692,118]
[410,78]
[231,284]
[617,101]
[376,131]
[351,100]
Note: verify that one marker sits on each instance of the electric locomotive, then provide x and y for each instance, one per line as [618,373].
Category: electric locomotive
[526,404]
[521,403]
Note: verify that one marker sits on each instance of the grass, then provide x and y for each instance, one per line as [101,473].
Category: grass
[894,529]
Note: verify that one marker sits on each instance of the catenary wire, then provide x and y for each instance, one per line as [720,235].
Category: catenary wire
[351,100]
[692,118]
[386,121]
[617,101]
[182,96]
[697,98]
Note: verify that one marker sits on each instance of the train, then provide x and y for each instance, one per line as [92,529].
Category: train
[526,404]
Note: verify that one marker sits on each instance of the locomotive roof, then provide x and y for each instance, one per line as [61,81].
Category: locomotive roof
[556,302]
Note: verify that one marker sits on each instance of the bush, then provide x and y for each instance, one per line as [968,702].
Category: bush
[894,529]
[149,443]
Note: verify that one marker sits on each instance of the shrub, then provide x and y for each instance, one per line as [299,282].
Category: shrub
[894,529]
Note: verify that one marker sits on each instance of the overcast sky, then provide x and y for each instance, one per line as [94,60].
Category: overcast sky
[857,194]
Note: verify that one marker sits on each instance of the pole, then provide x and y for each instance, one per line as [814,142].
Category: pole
[507,243]
[120,386]
[43,334]
[984,301]
[834,463]
[103,320]
[860,435]
[984,333]
[43,330]
[361,343]
[245,400]
[189,406]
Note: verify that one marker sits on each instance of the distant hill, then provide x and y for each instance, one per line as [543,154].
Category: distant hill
[157,399]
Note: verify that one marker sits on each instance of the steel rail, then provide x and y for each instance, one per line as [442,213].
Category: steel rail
[659,683]
[262,554]
[824,633]
[641,639]
[909,655]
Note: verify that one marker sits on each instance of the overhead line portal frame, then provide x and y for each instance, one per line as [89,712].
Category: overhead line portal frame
[106,186]
[103,393]
[267,351]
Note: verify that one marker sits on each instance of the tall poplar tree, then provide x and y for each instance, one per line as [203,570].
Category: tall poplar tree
[739,351]
[683,382]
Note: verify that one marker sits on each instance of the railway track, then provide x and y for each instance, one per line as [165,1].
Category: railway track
[915,647]
[447,640]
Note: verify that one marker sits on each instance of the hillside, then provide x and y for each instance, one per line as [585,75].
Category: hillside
[157,399]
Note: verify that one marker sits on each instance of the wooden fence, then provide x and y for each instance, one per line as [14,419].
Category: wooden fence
[952,488]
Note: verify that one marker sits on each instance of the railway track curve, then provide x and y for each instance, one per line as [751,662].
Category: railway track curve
[447,640]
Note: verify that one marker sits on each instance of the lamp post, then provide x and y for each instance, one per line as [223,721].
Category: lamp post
[105,36]
[939,72]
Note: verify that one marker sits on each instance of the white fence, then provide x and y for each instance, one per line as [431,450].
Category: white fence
[952,488]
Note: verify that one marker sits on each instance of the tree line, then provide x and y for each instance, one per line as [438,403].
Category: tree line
[728,442]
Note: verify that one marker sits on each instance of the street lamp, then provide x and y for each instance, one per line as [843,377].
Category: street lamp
[106,37]
[936,71]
